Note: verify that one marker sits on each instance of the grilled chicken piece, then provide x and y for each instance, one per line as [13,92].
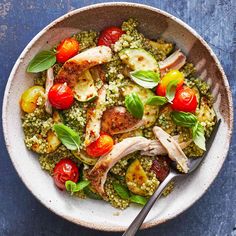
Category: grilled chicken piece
[48,85]
[118,120]
[98,73]
[73,68]
[98,174]
[174,150]
[94,117]
[174,62]
[156,148]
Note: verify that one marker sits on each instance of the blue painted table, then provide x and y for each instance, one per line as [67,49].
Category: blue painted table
[22,214]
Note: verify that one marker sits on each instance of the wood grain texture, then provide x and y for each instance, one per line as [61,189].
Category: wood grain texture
[213,214]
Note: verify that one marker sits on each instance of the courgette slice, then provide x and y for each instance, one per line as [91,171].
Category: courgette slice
[162,46]
[139,59]
[84,89]
[205,113]
[135,177]
[150,112]
[84,158]
[57,117]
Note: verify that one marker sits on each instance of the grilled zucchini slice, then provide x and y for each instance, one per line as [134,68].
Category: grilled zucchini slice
[135,177]
[150,112]
[139,59]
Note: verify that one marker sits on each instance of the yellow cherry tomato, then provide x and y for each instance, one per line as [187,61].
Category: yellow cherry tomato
[28,101]
[171,75]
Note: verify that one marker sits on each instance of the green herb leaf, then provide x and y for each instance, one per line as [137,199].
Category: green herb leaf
[184,119]
[42,61]
[134,105]
[81,185]
[138,199]
[68,136]
[121,190]
[156,101]
[145,78]
[70,186]
[91,194]
[171,89]
[198,136]
[73,187]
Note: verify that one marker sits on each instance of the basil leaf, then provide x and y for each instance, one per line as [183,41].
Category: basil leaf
[68,136]
[171,89]
[81,185]
[198,136]
[184,119]
[145,78]
[156,101]
[91,194]
[134,105]
[121,190]
[73,187]
[70,186]
[42,61]
[138,199]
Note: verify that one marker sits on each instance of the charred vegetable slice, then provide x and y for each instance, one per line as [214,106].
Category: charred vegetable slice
[83,157]
[205,113]
[150,112]
[84,89]
[135,177]
[139,59]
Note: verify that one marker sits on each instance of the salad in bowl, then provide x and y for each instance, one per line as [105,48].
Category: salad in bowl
[109,111]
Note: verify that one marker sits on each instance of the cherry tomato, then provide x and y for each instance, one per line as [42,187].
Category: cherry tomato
[109,36]
[66,49]
[65,170]
[61,96]
[28,101]
[185,100]
[161,168]
[101,146]
[171,75]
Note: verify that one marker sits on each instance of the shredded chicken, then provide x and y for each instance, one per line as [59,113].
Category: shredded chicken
[174,150]
[48,85]
[156,148]
[98,174]
[93,125]
[175,61]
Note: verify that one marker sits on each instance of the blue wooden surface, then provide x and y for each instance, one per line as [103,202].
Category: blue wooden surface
[22,214]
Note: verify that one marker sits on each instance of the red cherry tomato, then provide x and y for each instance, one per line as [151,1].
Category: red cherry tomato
[109,36]
[161,168]
[101,146]
[171,75]
[61,96]
[65,170]
[185,100]
[66,49]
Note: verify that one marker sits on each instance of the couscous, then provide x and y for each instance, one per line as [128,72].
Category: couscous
[110,110]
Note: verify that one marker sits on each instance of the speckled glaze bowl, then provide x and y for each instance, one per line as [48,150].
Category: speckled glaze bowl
[98,214]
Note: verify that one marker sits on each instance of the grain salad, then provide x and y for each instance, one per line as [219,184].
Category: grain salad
[109,111]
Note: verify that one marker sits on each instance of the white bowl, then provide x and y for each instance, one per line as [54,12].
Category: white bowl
[98,214]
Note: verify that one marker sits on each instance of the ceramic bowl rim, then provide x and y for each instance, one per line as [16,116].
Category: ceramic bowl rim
[113,4]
